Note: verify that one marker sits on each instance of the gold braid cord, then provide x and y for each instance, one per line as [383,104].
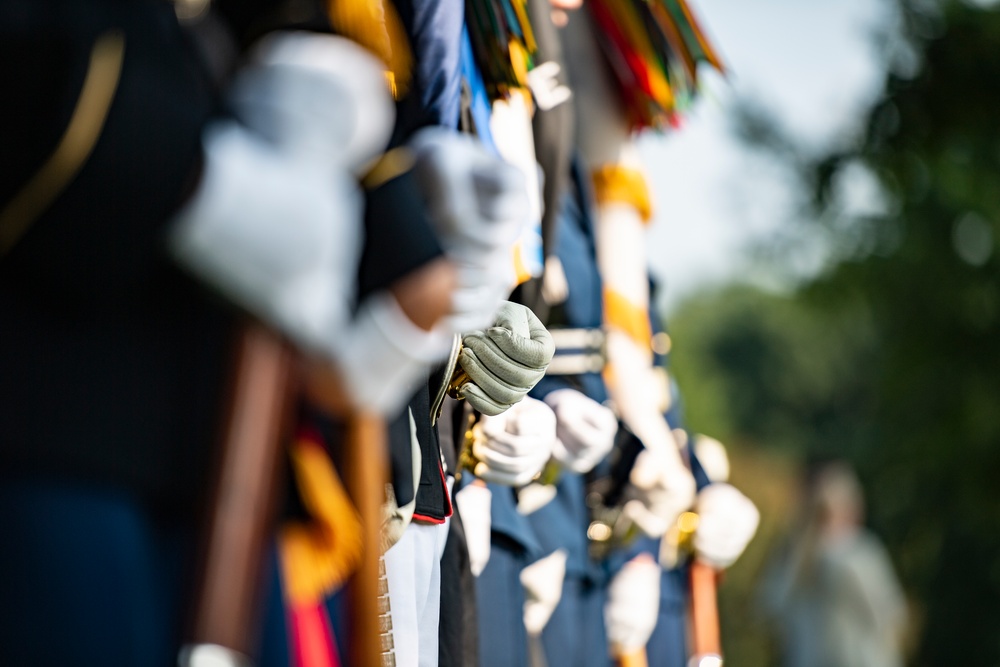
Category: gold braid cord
[75,146]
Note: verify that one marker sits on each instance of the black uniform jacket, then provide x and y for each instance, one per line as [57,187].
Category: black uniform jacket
[112,363]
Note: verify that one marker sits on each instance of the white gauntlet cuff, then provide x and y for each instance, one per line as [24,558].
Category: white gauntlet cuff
[384,356]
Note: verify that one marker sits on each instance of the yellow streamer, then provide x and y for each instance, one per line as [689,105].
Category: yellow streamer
[618,184]
[318,555]
[625,316]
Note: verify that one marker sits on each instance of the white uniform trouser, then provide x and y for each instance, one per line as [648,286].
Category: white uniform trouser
[413,573]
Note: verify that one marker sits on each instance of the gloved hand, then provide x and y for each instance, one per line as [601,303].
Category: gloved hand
[276,221]
[478,204]
[585,429]
[504,362]
[659,490]
[275,224]
[633,605]
[542,582]
[727,521]
[512,448]
[474,503]
[314,96]
[713,457]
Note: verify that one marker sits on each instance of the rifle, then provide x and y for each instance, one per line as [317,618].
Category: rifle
[703,611]
[705,638]
[703,608]
[607,512]
[242,505]
[243,502]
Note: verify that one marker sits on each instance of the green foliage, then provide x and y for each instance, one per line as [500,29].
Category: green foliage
[935,300]
[774,370]
[891,357]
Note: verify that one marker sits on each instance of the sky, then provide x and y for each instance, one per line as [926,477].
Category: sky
[814,65]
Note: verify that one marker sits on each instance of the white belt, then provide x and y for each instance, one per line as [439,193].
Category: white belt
[578,351]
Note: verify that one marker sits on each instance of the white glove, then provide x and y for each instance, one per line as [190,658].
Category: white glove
[474,503]
[383,356]
[727,521]
[505,361]
[555,285]
[278,236]
[713,458]
[319,97]
[276,222]
[513,447]
[478,204]
[659,490]
[543,583]
[633,606]
[585,429]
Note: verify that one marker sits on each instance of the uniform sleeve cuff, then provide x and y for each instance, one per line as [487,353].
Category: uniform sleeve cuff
[384,356]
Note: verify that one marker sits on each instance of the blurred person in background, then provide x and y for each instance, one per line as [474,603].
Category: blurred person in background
[831,589]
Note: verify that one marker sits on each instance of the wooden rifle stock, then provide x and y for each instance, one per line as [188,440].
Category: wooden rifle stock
[242,509]
[242,506]
[706,639]
[365,468]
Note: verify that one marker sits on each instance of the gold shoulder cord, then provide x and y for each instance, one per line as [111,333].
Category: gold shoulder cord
[389,165]
[74,147]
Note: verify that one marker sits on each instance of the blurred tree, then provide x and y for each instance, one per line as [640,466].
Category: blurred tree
[775,370]
[777,380]
[931,284]
[891,356]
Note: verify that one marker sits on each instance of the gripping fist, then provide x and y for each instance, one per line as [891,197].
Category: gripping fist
[512,448]
[474,503]
[543,583]
[478,205]
[633,605]
[727,521]
[315,96]
[659,491]
[585,429]
[504,362]
[275,224]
